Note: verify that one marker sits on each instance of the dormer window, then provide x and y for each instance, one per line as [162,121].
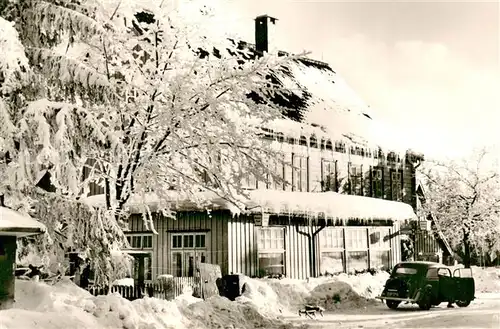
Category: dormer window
[279,137]
[340,147]
[313,142]
[328,145]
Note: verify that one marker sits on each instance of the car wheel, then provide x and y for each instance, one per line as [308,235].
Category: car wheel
[392,304]
[463,303]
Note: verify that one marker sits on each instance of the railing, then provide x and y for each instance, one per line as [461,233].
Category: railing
[165,289]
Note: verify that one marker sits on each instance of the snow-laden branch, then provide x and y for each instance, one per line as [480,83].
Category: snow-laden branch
[53,20]
[14,66]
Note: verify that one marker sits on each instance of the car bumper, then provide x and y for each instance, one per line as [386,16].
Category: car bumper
[399,299]
[409,300]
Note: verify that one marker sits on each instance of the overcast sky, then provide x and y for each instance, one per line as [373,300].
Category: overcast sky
[428,68]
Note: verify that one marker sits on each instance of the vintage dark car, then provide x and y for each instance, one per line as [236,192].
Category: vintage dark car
[428,284]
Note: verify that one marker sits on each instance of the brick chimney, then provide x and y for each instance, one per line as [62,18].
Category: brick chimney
[261,32]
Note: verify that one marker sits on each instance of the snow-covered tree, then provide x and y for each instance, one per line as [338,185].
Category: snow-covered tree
[145,96]
[464,197]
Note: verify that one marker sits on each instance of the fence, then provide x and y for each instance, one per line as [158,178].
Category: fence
[165,289]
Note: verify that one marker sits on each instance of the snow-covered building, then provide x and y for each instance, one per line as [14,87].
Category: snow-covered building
[348,191]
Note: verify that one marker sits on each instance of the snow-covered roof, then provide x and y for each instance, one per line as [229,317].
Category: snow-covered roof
[315,95]
[16,224]
[331,205]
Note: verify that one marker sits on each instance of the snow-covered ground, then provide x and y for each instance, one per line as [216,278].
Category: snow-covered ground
[266,303]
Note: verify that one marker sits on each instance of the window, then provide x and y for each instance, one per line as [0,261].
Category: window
[380,247]
[356,249]
[332,238]
[313,142]
[444,272]
[380,237]
[140,241]
[432,273]
[328,175]
[279,137]
[267,134]
[365,247]
[187,250]
[271,251]
[299,173]
[329,145]
[332,262]
[279,170]
[357,260]
[355,238]
[340,147]
[377,183]
[406,270]
[303,141]
[249,182]
[396,186]
[356,180]
[287,176]
[332,251]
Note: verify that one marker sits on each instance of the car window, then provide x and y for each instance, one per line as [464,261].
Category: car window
[444,272]
[406,270]
[432,273]
[463,273]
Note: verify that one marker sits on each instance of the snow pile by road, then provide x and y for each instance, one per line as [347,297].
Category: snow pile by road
[219,312]
[64,305]
[487,279]
[286,296]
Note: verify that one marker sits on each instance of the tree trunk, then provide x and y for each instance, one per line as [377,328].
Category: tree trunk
[467,260]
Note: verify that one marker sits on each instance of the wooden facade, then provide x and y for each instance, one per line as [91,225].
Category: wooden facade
[237,245]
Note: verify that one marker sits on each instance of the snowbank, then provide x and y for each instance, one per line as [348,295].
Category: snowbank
[64,305]
[487,279]
[277,298]
[220,312]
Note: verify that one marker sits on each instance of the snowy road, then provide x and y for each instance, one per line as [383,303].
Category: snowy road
[484,312]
